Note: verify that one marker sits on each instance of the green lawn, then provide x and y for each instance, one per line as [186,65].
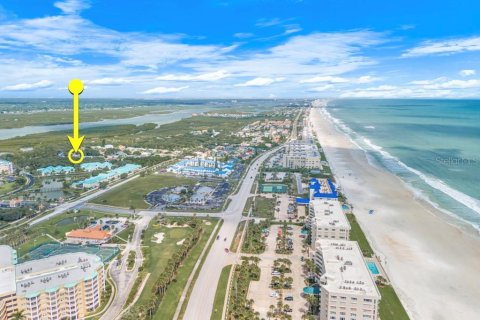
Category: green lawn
[390,306]
[220,294]
[134,192]
[237,237]
[356,234]
[6,187]
[157,255]
[248,204]
[264,207]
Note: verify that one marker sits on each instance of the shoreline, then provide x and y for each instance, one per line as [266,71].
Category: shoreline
[432,260]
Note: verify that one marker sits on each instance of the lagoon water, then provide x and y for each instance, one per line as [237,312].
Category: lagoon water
[432,145]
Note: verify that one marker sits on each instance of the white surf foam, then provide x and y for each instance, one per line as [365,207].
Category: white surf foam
[393,164]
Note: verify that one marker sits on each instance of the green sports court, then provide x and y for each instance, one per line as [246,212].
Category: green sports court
[273,188]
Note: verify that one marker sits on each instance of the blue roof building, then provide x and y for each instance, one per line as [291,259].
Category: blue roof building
[324,189]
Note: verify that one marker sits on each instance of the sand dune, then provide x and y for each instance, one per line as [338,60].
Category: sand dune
[433,264]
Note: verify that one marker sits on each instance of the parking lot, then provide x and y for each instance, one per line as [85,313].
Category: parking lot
[281,209]
[260,291]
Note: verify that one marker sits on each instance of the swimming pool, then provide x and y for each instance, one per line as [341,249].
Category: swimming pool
[345,207]
[311,290]
[373,268]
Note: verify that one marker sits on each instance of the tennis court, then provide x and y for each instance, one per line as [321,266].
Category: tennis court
[273,188]
[51,249]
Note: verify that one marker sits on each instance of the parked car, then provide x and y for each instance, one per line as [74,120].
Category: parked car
[289,298]
[274,294]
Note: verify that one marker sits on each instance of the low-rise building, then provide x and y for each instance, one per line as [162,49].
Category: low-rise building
[51,170]
[92,235]
[92,166]
[6,167]
[347,288]
[202,167]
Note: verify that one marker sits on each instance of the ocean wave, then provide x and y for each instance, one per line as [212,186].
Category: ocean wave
[396,166]
[370,127]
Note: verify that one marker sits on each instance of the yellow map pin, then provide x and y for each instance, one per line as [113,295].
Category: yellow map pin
[76,88]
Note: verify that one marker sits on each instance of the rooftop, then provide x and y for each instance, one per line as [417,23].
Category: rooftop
[8,258]
[329,213]
[346,271]
[94,233]
[50,273]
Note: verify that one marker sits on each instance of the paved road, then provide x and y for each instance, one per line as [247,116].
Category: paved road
[124,279]
[203,294]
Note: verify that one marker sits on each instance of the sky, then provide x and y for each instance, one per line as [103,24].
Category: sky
[151,49]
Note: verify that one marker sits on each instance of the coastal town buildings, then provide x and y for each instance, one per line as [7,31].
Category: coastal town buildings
[51,170]
[66,286]
[209,167]
[347,289]
[94,182]
[6,167]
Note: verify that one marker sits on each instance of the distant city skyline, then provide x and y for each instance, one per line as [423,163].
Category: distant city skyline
[240,49]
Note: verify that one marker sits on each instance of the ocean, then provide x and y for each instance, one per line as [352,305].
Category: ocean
[432,145]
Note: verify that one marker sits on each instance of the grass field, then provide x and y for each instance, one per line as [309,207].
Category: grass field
[6,187]
[390,306]
[356,234]
[237,237]
[132,194]
[157,255]
[264,207]
[220,294]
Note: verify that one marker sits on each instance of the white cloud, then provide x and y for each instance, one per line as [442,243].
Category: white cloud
[210,76]
[161,90]
[259,82]
[110,81]
[336,79]
[455,84]
[29,86]
[322,88]
[444,47]
[389,91]
[243,35]
[72,6]
[467,72]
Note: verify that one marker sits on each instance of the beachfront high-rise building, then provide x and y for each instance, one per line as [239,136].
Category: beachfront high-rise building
[6,167]
[301,154]
[66,286]
[8,298]
[327,220]
[347,289]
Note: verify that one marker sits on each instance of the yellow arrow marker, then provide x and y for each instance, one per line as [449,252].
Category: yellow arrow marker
[76,88]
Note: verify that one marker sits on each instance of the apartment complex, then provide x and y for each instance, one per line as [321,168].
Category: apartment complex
[327,220]
[66,286]
[8,299]
[347,289]
[6,167]
[301,154]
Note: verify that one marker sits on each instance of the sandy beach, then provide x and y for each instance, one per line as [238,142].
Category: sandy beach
[434,265]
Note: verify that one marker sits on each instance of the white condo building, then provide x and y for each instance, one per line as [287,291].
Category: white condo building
[66,286]
[347,289]
[301,154]
[327,220]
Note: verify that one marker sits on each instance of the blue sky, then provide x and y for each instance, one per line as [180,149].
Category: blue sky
[241,49]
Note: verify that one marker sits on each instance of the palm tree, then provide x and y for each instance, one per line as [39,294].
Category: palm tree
[19,315]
